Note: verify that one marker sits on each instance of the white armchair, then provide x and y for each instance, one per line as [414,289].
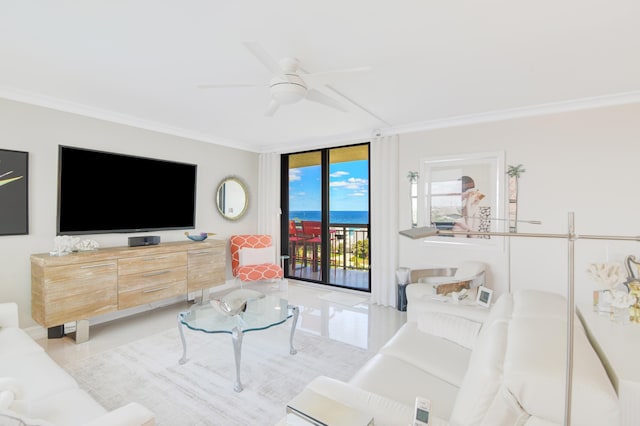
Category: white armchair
[467,275]
[426,284]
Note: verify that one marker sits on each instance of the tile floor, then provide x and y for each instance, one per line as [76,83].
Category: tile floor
[344,316]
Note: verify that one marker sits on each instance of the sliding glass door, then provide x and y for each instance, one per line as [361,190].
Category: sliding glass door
[325,199]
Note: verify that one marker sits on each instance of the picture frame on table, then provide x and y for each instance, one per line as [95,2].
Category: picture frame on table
[14,192]
[484,296]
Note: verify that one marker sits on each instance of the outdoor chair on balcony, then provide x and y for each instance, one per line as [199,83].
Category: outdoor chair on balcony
[253,258]
[296,243]
[312,233]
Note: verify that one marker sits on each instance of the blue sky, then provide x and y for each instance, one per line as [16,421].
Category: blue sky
[349,187]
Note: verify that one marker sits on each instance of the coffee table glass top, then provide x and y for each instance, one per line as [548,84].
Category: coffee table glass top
[255,311]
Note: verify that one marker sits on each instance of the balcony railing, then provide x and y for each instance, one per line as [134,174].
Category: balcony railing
[349,246]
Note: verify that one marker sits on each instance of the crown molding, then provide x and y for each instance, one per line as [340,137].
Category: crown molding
[324,141]
[110,116]
[522,112]
[463,120]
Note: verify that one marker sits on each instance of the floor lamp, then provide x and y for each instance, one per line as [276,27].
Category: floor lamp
[571,237]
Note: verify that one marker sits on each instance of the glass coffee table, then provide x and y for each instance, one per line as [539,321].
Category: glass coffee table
[240,311]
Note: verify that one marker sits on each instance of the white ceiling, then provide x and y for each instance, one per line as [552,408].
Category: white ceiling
[434,63]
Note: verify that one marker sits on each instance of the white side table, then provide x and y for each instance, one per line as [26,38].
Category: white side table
[309,408]
[618,346]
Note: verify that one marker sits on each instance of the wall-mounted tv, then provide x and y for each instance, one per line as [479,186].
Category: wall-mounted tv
[104,192]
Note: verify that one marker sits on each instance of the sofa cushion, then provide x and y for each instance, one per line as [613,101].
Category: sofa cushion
[15,343]
[483,377]
[38,375]
[536,375]
[69,407]
[451,327]
[539,304]
[402,381]
[432,354]
[505,410]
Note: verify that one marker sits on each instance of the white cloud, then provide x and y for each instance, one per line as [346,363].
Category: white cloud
[339,174]
[294,175]
[351,183]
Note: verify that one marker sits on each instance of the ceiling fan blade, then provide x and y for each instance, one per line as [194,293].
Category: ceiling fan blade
[272,108]
[224,86]
[315,96]
[262,55]
[343,71]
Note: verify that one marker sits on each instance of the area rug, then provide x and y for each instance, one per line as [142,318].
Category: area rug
[200,392]
[344,298]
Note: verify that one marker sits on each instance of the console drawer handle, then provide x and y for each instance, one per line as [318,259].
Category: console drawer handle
[151,290]
[153,274]
[200,252]
[96,266]
[147,259]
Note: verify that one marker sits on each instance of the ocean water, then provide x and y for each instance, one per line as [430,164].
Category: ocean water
[345,216]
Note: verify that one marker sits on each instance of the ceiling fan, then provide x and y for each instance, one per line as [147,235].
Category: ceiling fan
[287,85]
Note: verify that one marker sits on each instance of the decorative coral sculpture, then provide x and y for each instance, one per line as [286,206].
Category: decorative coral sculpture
[607,275]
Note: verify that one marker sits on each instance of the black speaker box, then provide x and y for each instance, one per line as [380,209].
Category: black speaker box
[151,240]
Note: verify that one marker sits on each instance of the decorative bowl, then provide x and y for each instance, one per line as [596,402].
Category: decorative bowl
[198,237]
[236,301]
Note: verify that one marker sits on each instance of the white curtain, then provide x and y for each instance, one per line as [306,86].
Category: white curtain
[384,219]
[269,197]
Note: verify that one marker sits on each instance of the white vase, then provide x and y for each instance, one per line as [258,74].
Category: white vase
[620,315]
[602,302]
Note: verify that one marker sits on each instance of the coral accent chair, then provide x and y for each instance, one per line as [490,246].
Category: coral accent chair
[253,258]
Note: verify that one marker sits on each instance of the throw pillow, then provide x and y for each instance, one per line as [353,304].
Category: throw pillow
[451,327]
[256,256]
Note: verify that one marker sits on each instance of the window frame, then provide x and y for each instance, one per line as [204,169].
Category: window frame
[489,169]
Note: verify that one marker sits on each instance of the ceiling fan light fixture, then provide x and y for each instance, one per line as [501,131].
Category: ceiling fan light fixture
[286,85]
[288,94]
[289,90]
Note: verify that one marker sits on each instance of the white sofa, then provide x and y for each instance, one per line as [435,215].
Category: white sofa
[34,390]
[511,372]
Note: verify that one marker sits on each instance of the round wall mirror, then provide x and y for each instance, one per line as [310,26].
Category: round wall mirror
[232,198]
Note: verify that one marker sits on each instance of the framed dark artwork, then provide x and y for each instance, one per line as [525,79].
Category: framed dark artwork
[14,192]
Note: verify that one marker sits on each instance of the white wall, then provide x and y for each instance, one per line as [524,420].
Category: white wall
[586,162]
[39,131]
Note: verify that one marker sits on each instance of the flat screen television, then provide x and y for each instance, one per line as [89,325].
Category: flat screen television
[104,192]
